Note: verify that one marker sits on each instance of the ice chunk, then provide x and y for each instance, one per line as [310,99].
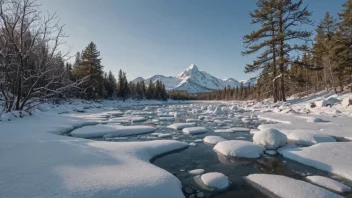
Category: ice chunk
[138,119]
[164,135]
[192,144]
[223,131]
[194,130]
[239,148]
[198,141]
[179,126]
[215,180]
[308,138]
[285,187]
[270,138]
[213,139]
[196,171]
[329,183]
[114,130]
[240,129]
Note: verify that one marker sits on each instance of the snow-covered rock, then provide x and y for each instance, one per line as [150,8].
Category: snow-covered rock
[114,130]
[213,139]
[196,171]
[179,126]
[308,138]
[239,148]
[329,183]
[215,180]
[194,130]
[285,187]
[270,138]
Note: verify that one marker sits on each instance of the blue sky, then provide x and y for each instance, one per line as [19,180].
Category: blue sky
[147,37]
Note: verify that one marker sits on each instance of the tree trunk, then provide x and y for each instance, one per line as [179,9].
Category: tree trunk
[281,55]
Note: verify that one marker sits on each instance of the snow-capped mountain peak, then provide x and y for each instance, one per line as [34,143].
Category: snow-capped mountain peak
[192,80]
[192,69]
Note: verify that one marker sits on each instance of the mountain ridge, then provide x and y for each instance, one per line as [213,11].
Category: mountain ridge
[193,80]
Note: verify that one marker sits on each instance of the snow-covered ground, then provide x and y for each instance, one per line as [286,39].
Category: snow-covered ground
[38,162]
[38,159]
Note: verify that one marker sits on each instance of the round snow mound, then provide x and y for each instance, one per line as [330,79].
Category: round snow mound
[239,148]
[270,138]
[213,139]
[215,180]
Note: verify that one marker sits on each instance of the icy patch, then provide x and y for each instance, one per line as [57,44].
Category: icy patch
[215,180]
[285,187]
[179,126]
[165,135]
[114,130]
[213,139]
[138,119]
[239,148]
[307,138]
[270,138]
[223,131]
[329,183]
[194,130]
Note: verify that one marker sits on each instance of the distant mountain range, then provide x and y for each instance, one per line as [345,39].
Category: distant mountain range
[193,80]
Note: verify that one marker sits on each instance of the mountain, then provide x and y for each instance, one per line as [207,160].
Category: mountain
[193,80]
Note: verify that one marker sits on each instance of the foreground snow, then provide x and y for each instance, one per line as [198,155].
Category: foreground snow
[37,162]
[285,187]
[334,157]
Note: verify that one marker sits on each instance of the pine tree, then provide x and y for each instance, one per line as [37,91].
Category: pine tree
[289,15]
[264,41]
[89,66]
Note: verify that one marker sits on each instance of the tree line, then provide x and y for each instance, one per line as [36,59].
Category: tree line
[34,68]
[289,60]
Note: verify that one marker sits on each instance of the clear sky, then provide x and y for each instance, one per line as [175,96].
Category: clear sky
[147,37]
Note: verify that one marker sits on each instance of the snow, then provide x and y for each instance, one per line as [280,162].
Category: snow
[179,126]
[213,139]
[239,148]
[215,180]
[308,138]
[194,130]
[165,135]
[192,144]
[346,102]
[240,129]
[329,183]
[334,157]
[270,138]
[223,131]
[114,130]
[218,111]
[36,162]
[138,119]
[285,187]
[196,171]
